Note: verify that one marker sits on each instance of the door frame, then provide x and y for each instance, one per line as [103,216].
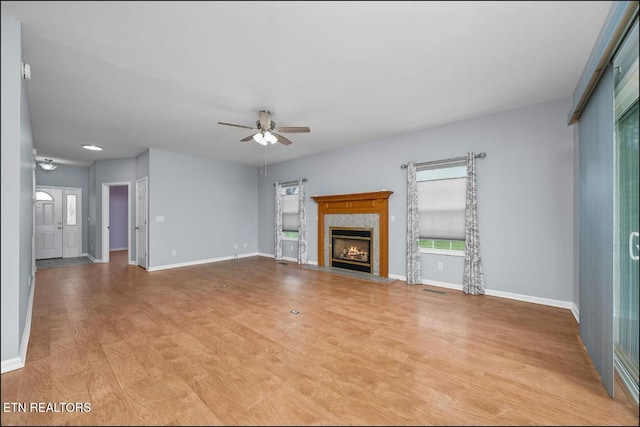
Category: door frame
[144,179]
[64,205]
[105,218]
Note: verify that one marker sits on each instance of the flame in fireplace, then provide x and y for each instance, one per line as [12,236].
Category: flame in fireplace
[354,251]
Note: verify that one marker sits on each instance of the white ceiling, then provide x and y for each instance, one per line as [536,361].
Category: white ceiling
[132,75]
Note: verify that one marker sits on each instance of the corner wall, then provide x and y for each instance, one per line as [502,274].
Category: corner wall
[525,187]
[17,185]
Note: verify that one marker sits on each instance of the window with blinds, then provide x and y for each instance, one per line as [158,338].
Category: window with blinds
[290,212]
[441,207]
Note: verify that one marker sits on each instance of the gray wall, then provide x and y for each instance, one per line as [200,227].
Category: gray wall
[595,211]
[525,187]
[70,176]
[91,213]
[208,207]
[17,193]
[142,165]
[113,171]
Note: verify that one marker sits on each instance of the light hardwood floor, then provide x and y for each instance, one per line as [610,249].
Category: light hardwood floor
[217,344]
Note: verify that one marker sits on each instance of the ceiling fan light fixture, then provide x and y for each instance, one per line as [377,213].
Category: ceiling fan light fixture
[47,164]
[260,139]
[270,138]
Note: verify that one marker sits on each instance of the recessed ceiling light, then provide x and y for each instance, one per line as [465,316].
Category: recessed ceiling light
[92,147]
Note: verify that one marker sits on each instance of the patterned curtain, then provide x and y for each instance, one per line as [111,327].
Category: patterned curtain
[414,276]
[473,277]
[302,223]
[278,227]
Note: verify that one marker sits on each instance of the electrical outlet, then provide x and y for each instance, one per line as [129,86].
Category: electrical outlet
[245,245]
[235,246]
[173,252]
[440,266]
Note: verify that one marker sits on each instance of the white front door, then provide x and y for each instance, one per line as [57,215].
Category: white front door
[72,215]
[141,222]
[48,223]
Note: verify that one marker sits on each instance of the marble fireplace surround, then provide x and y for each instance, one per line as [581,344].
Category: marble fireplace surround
[356,210]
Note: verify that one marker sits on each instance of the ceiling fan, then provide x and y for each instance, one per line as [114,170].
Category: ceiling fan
[267,132]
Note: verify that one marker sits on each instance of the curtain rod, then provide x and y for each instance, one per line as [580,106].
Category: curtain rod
[289,182]
[444,161]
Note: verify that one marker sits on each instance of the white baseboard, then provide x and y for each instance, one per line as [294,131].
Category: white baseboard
[118,249]
[527,298]
[203,261]
[11,365]
[286,258]
[575,312]
[18,362]
[93,259]
[133,262]
[500,294]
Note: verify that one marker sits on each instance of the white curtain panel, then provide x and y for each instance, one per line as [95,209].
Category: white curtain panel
[278,222]
[473,277]
[302,223]
[414,276]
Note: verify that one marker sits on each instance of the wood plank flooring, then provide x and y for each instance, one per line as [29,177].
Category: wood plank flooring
[217,344]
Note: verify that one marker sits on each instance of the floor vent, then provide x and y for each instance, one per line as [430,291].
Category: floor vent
[435,292]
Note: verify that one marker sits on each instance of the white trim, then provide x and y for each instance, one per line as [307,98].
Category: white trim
[11,365]
[203,261]
[117,249]
[527,298]
[397,277]
[507,295]
[442,284]
[441,252]
[575,312]
[105,219]
[132,262]
[286,258]
[18,362]
[94,259]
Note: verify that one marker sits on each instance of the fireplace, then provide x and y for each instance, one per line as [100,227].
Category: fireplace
[351,248]
[359,210]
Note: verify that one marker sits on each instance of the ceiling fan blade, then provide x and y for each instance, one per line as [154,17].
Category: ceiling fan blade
[238,126]
[281,139]
[301,129]
[248,138]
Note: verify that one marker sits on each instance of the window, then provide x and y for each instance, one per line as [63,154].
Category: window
[43,196]
[290,212]
[441,206]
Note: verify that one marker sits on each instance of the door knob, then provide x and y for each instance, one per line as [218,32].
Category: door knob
[137,228]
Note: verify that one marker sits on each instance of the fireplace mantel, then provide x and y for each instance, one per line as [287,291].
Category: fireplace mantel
[376,202]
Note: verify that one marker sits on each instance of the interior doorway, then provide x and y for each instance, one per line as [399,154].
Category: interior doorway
[117,219]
